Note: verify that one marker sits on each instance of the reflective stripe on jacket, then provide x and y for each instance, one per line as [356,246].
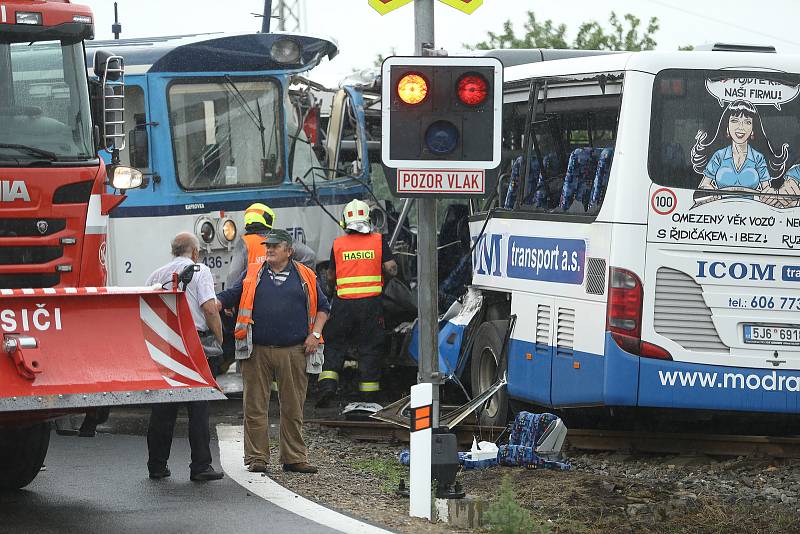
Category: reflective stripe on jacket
[243,332]
[358,265]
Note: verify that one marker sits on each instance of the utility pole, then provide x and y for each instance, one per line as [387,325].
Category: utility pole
[289,14]
[267,17]
[429,379]
[427,264]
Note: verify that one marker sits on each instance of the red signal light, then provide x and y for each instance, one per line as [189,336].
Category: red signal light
[472,89]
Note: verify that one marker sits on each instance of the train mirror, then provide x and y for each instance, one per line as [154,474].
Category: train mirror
[107,65]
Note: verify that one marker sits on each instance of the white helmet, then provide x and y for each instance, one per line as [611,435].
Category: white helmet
[356,216]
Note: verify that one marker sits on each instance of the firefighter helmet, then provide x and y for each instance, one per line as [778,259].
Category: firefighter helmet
[356,215]
[259,214]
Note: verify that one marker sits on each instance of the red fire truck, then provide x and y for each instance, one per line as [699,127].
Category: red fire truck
[68,344]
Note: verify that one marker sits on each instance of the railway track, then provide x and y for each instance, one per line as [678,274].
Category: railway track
[598,440]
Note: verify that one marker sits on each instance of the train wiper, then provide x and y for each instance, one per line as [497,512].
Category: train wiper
[46,154]
[255,117]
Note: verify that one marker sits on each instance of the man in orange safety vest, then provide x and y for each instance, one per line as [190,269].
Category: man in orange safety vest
[359,261]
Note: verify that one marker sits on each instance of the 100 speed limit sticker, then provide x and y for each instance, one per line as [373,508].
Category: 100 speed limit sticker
[664,201]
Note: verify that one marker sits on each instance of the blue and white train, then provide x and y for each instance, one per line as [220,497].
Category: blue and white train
[218,122]
[649,255]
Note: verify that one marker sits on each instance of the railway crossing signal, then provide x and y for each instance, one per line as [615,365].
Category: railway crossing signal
[385,6]
[441,124]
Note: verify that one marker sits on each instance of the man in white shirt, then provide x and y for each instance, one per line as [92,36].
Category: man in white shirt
[203,304]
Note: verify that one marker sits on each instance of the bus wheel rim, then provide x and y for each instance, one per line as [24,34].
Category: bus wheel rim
[488,375]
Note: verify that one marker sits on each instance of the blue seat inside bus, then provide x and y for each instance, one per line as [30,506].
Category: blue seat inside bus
[600,182]
[581,169]
[539,195]
[586,180]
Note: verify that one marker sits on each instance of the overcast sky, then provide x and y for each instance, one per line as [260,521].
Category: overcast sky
[362,33]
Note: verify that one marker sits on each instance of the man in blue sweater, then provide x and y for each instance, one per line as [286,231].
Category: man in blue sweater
[282,311]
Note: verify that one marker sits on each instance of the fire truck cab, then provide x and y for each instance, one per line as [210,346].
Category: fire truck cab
[68,344]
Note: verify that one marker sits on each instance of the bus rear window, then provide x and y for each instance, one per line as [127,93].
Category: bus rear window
[725,130]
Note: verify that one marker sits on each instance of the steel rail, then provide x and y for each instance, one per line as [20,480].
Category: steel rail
[599,440]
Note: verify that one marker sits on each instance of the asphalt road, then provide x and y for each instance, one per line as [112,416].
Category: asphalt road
[100,485]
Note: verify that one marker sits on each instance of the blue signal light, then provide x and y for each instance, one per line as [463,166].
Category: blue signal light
[441,138]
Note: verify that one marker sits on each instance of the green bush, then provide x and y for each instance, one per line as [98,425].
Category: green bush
[506,516]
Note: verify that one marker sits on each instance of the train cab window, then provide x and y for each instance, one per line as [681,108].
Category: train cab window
[570,161]
[135,119]
[227,134]
[304,142]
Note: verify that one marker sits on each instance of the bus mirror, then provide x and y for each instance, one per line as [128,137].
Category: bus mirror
[139,148]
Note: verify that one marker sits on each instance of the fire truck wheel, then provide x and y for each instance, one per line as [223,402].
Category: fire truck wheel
[487,366]
[22,452]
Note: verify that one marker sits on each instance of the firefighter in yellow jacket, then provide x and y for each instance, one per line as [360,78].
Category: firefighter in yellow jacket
[359,261]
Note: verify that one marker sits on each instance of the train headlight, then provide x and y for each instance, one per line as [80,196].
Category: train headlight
[226,231]
[285,51]
[205,230]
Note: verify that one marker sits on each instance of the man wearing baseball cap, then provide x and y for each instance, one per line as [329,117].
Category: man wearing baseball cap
[282,311]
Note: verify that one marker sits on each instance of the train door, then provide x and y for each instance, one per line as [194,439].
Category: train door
[137,154]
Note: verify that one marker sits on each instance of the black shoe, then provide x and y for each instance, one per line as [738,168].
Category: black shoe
[302,467]
[325,398]
[161,473]
[205,476]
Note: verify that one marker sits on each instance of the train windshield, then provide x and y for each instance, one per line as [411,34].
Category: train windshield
[226,133]
[44,103]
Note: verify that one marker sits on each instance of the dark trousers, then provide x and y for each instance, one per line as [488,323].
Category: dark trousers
[162,426]
[355,323]
[95,417]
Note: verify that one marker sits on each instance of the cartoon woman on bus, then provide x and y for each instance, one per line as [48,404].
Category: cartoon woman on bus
[739,155]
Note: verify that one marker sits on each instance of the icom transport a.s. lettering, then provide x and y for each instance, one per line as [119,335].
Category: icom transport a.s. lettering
[531,258]
[746,271]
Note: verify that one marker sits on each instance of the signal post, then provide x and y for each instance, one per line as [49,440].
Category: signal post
[440,121]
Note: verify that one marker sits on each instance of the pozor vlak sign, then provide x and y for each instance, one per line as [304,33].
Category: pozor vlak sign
[441,121]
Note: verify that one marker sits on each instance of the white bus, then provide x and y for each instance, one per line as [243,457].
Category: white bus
[651,256]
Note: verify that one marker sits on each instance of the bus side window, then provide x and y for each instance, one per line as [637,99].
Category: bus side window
[570,161]
[590,135]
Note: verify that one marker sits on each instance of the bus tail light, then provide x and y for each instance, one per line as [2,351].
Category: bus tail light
[624,315]
[650,350]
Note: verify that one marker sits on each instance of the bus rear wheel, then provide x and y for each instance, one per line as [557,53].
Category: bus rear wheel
[22,453]
[488,364]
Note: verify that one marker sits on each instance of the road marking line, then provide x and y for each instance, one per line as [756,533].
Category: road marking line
[230,457]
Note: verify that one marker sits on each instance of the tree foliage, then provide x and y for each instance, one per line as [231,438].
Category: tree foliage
[624,34]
